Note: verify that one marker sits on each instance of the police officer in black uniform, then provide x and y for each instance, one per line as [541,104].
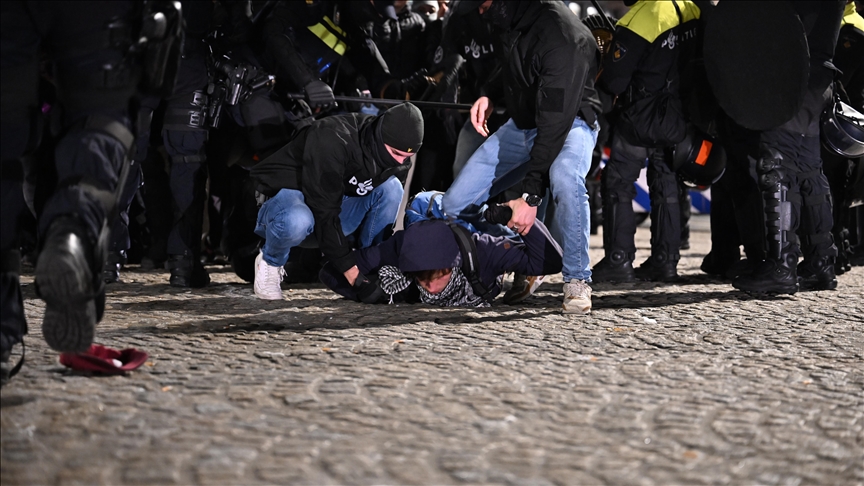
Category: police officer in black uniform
[95,78]
[849,59]
[642,63]
[789,173]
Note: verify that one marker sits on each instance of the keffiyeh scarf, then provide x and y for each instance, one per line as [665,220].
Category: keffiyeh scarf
[458,291]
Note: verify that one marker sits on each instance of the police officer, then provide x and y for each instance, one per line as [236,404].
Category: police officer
[339,175]
[95,78]
[789,173]
[642,63]
[849,59]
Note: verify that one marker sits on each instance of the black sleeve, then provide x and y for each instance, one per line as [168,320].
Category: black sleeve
[289,65]
[369,260]
[538,254]
[563,73]
[324,160]
[622,60]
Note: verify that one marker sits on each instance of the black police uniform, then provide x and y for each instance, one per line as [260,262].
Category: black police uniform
[794,189]
[184,133]
[643,62]
[95,79]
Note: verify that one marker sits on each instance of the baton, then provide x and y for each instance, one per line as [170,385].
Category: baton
[605,17]
[382,101]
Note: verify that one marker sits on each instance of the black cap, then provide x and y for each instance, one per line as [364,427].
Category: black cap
[402,127]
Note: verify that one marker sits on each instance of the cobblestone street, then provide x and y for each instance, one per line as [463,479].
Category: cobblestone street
[689,383]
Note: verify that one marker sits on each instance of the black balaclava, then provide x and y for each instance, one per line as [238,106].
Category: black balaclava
[500,14]
[402,128]
[630,3]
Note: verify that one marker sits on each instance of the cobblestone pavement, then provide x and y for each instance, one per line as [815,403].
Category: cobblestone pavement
[662,384]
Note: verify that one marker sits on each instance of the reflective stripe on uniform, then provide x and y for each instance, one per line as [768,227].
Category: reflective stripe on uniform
[331,35]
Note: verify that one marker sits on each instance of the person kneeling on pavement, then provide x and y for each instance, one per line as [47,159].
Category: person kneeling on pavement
[443,263]
[340,176]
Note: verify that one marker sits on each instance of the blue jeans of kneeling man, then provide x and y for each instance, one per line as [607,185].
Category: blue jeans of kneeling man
[285,220]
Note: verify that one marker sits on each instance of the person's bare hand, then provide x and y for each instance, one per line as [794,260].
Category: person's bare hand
[523,216]
[480,111]
[351,274]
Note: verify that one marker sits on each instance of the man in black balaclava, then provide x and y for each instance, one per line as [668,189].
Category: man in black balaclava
[339,175]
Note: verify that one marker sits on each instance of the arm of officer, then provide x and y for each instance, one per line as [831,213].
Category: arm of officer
[323,169]
[369,260]
[289,64]
[622,60]
[563,73]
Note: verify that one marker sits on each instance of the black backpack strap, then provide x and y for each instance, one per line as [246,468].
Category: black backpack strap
[470,262]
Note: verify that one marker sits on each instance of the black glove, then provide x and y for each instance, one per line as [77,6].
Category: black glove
[368,291]
[498,214]
[418,84]
[319,95]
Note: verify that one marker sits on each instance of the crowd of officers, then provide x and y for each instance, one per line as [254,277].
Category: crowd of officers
[129,130]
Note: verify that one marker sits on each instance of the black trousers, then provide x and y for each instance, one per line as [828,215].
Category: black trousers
[87,158]
[618,192]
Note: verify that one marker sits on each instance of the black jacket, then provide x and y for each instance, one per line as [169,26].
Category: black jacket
[649,46]
[344,148]
[550,62]
[431,245]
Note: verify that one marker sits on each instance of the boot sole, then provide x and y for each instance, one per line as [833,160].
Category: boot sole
[69,324]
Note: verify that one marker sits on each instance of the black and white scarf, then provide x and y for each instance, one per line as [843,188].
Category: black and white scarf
[458,291]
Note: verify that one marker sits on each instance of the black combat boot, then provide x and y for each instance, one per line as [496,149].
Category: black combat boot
[659,268]
[65,279]
[771,277]
[817,274]
[187,271]
[718,263]
[113,264]
[615,267]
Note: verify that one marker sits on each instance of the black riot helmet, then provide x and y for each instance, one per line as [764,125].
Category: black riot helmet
[699,160]
[842,129]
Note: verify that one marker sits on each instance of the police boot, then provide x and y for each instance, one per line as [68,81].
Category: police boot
[817,273]
[771,277]
[661,267]
[65,280]
[614,267]
[718,263]
[113,264]
[186,271]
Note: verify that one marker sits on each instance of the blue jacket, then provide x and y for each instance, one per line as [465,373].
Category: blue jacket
[429,245]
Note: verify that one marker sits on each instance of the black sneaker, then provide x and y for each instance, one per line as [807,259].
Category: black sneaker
[613,270]
[770,277]
[65,281]
[186,271]
[655,271]
[817,274]
[714,264]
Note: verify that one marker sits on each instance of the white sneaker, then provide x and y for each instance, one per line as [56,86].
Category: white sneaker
[523,287]
[267,279]
[577,297]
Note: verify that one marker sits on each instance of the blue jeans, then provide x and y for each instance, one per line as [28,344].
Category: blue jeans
[285,220]
[502,161]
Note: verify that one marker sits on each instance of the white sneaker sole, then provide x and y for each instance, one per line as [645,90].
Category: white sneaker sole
[577,306]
